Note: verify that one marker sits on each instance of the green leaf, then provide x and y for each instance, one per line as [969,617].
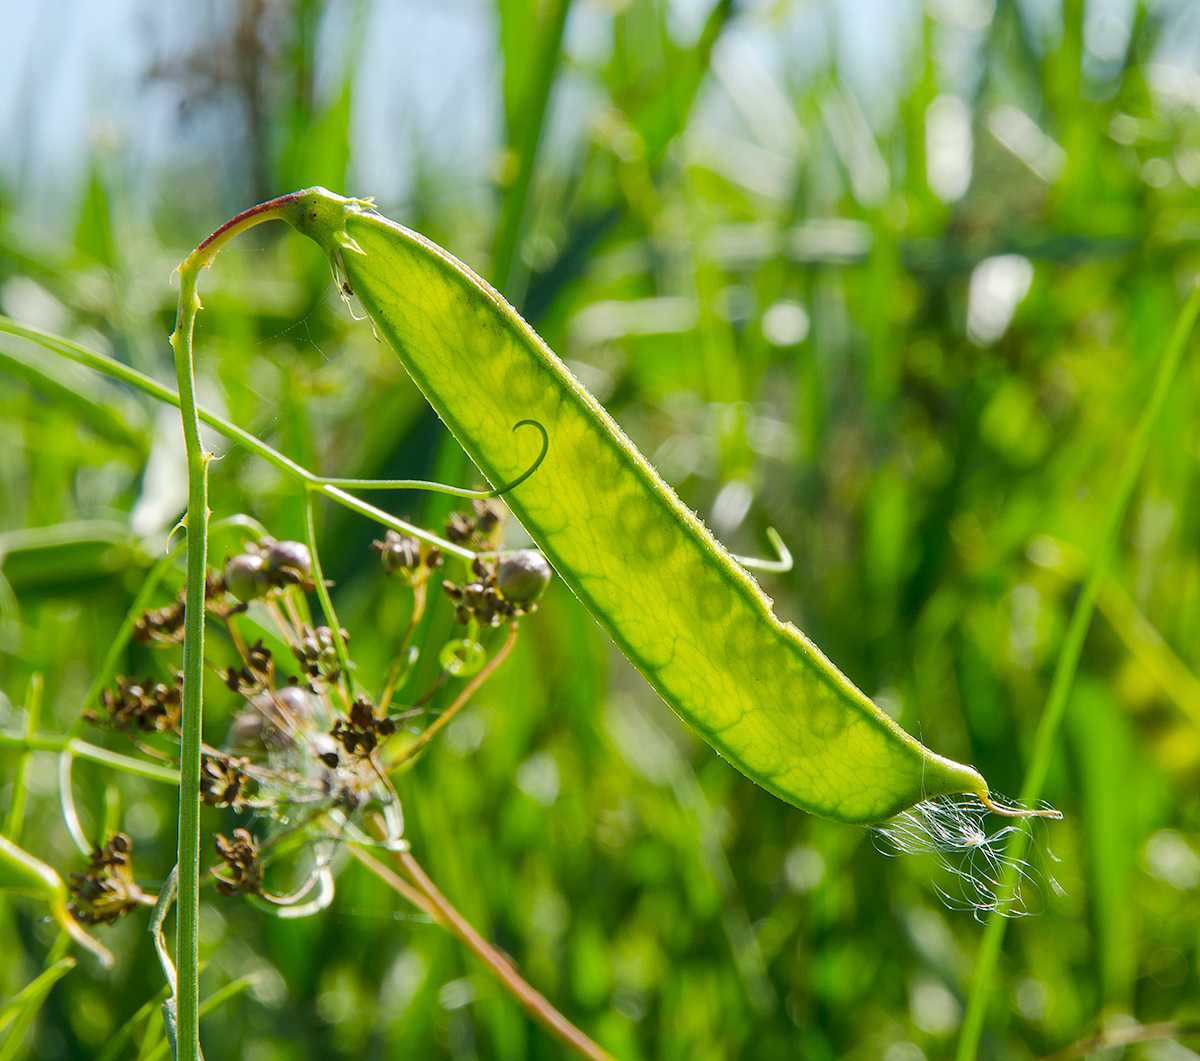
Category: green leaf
[67,553]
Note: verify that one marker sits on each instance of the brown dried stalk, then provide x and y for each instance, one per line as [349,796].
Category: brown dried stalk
[424,895]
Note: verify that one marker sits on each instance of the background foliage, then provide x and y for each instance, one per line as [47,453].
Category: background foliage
[890,279]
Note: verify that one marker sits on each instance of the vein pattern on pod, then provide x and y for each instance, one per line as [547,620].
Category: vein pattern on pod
[692,621]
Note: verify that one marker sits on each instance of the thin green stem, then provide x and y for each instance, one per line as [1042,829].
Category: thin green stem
[187,940]
[81,355]
[339,643]
[211,1004]
[1064,675]
[187,944]
[57,742]
[439,723]
[15,817]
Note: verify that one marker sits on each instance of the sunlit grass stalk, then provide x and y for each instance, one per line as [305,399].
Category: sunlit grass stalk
[57,742]
[1064,675]
[524,141]
[419,890]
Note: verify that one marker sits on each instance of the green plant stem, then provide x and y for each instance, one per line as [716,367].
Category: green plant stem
[57,742]
[339,642]
[401,663]
[214,1002]
[247,441]
[187,939]
[15,817]
[1064,674]
[439,723]
[187,916]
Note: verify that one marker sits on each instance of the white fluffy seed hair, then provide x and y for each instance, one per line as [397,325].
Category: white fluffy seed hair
[953,830]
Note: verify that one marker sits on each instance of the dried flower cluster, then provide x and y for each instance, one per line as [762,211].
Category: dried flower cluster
[146,705]
[242,872]
[407,558]
[481,531]
[107,891]
[299,746]
[363,731]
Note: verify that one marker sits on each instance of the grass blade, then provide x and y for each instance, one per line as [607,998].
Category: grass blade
[23,1007]
[1064,672]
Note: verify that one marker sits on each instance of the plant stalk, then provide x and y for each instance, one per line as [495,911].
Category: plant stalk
[187,916]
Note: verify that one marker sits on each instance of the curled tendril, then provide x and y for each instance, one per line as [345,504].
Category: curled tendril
[453,491]
[781,565]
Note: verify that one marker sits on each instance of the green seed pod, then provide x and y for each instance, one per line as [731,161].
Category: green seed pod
[686,613]
[523,576]
[246,576]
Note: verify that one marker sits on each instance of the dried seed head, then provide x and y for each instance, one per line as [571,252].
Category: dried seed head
[317,652]
[483,529]
[242,873]
[223,780]
[363,731]
[407,558]
[107,891]
[149,706]
[489,515]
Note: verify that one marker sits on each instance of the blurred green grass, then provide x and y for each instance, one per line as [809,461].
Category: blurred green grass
[743,254]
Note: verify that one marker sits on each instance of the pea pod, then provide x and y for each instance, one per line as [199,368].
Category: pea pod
[692,620]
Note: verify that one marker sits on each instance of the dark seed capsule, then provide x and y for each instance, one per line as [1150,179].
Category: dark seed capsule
[246,576]
[293,556]
[523,576]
